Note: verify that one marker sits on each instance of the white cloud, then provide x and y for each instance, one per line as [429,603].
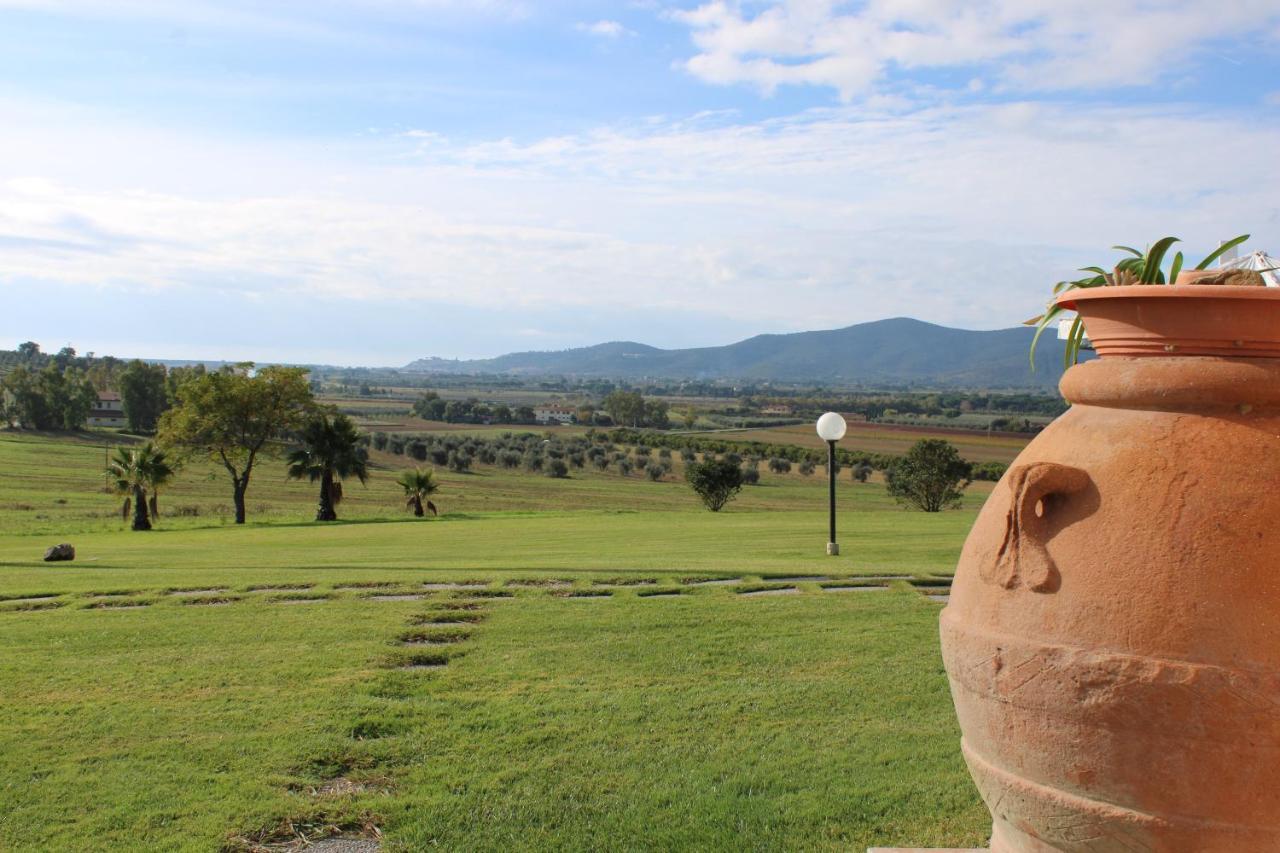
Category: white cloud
[959,215]
[1039,45]
[604,29]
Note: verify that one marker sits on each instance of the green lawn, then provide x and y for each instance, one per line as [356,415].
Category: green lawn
[708,719]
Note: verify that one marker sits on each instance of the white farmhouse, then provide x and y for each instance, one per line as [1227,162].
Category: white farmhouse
[553,415]
[107,410]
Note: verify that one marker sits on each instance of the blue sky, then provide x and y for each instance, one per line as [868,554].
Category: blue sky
[366,183]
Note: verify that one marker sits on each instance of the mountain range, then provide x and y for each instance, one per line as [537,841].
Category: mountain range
[898,351]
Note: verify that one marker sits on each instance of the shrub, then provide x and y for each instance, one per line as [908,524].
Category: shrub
[397,445]
[688,455]
[624,466]
[750,476]
[577,460]
[601,462]
[716,482]
[655,471]
[418,450]
[664,453]
[509,459]
[380,441]
[533,460]
[779,466]
[991,471]
[930,477]
[459,461]
[642,462]
[861,472]
[440,455]
[557,468]
[807,467]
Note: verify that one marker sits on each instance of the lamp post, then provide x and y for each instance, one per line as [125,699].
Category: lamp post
[831,429]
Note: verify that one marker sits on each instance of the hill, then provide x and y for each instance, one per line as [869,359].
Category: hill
[899,351]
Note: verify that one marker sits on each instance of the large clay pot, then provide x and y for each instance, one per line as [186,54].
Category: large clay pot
[1113,634]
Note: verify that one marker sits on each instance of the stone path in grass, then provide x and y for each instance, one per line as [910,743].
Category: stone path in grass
[934,587]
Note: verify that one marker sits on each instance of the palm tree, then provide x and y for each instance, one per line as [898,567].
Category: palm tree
[419,484]
[136,471]
[330,452]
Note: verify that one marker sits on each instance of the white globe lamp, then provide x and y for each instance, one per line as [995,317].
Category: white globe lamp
[831,428]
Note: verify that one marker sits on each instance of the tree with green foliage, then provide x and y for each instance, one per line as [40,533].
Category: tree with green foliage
[143,394]
[419,484]
[430,407]
[236,415]
[177,377]
[931,476]
[716,481]
[135,472]
[330,452]
[50,399]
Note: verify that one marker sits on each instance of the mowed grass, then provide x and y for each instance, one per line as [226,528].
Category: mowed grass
[254,690]
[55,485]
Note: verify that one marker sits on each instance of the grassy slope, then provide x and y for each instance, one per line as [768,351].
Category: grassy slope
[817,720]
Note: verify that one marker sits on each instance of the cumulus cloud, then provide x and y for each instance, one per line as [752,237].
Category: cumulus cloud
[1031,45]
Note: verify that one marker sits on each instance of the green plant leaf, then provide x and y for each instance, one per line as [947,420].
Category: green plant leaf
[1221,250]
[1045,320]
[1130,250]
[1155,257]
[1071,354]
[1175,269]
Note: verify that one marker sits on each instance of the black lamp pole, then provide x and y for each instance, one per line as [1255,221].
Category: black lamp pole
[832,548]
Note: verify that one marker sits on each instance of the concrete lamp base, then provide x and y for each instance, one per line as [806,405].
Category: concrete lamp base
[833,549]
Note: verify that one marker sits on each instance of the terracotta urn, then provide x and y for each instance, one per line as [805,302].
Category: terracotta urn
[1113,634]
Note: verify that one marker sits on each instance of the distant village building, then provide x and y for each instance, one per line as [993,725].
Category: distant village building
[553,415]
[776,409]
[107,410]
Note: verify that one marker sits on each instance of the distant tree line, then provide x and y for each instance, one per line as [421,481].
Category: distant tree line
[58,392]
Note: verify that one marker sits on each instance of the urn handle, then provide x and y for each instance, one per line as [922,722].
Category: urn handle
[1039,489]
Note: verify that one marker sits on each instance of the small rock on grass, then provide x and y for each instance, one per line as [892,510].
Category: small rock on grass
[62,551]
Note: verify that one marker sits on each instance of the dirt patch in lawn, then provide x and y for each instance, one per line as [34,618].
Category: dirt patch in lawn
[853,587]
[797,578]
[29,606]
[279,587]
[314,834]
[662,592]
[212,601]
[433,638]
[118,604]
[766,589]
[300,598]
[539,582]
